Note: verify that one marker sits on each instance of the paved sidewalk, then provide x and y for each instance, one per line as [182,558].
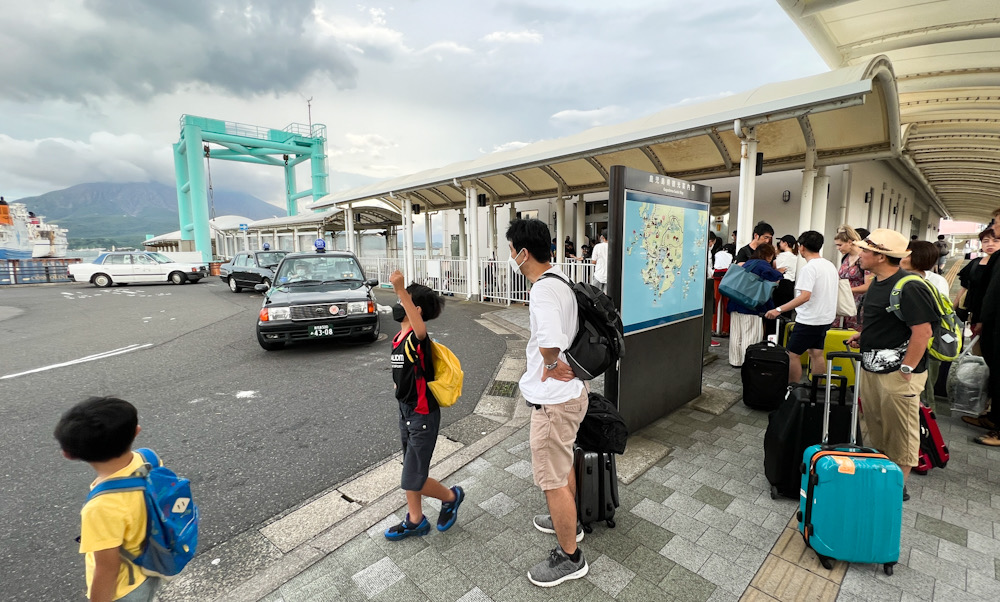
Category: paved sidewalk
[697,524]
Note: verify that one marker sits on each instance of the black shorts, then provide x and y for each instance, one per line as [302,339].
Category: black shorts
[419,436]
[805,336]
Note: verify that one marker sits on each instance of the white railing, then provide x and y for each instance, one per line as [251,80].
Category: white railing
[449,276]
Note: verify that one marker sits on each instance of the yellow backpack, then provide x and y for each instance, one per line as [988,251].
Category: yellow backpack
[448,376]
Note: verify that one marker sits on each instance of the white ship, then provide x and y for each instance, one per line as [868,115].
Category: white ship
[23,235]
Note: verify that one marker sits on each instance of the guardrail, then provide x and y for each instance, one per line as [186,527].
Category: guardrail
[449,276]
[35,271]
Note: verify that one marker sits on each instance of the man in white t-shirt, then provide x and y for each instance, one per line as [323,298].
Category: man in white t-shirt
[600,258]
[557,396]
[815,306]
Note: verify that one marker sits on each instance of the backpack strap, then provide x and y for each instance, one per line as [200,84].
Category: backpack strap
[149,456]
[895,297]
[557,277]
[134,482]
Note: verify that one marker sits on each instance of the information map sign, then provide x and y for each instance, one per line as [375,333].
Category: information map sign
[663,260]
[657,275]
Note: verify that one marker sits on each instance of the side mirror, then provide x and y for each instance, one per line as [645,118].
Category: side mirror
[261,288]
[371,282]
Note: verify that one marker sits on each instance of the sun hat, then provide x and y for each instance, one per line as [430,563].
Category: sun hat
[885,241]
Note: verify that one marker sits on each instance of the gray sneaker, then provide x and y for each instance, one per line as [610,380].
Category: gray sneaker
[543,522]
[557,568]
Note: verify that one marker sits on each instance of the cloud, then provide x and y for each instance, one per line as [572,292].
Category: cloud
[514,37]
[371,145]
[506,146]
[143,48]
[588,119]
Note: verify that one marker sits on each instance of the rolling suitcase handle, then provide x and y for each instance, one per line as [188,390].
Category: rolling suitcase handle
[856,357]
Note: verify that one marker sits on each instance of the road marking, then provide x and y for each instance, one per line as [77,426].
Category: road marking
[89,358]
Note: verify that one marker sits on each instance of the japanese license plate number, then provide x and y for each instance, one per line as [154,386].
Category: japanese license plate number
[321,330]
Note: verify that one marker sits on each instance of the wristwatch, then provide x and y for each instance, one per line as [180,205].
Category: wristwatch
[906,369]
[552,366]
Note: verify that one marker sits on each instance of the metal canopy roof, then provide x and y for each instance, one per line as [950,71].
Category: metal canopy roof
[850,113]
[365,218]
[946,55]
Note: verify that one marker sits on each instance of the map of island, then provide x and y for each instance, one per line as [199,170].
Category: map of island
[663,271]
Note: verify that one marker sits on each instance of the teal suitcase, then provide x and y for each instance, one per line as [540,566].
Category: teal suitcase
[851,498]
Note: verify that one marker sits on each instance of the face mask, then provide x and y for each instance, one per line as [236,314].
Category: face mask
[398,312]
[514,265]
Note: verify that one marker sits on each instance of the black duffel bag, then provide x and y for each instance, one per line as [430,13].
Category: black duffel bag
[603,429]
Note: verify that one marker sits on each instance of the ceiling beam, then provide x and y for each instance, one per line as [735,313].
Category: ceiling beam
[961,31]
[655,160]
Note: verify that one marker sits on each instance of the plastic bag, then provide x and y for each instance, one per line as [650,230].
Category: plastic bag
[967,383]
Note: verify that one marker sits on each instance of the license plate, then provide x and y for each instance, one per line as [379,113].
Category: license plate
[321,330]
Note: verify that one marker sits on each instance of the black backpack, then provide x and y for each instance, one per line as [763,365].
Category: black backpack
[600,338]
[603,429]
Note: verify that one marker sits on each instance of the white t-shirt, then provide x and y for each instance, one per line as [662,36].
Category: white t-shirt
[938,281]
[820,278]
[553,314]
[788,260]
[600,257]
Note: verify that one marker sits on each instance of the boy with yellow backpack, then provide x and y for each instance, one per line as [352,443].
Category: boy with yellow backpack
[422,388]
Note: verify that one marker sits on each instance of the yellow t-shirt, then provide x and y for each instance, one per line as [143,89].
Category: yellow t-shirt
[113,520]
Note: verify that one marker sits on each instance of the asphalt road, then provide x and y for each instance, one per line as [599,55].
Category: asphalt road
[256,432]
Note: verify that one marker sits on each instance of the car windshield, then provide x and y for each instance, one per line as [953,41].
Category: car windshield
[317,268]
[269,259]
[159,257]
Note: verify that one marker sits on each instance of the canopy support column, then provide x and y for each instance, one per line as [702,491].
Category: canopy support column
[821,197]
[428,235]
[491,231]
[581,223]
[296,245]
[560,227]
[349,218]
[409,264]
[463,249]
[808,182]
[473,274]
[748,169]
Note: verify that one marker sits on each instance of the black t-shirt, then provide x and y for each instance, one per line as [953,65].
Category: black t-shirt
[744,255]
[411,365]
[884,336]
[991,294]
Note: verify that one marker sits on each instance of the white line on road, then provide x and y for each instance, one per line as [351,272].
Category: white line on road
[89,358]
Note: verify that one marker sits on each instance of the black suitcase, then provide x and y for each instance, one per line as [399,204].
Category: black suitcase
[596,487]
[797,424]
[765,376]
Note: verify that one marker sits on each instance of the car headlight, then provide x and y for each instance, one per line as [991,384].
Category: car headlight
[357,307]
[279,313]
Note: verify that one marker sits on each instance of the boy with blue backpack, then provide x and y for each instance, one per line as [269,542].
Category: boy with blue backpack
[138,524]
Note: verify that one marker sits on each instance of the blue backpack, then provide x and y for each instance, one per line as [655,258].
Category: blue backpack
[171,516]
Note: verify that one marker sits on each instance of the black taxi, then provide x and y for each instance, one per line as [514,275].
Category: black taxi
[317,296]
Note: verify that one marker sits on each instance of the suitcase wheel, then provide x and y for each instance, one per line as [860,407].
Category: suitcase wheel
[887,568]
[611,523]
[802,468]
[588,529]
[774,492]
[827,562]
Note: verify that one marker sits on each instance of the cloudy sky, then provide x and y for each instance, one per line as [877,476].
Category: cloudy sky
[92,90]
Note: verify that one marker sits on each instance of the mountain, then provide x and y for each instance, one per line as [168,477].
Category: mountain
[105,213]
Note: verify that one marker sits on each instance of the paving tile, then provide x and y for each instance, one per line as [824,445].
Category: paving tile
[683,503]
[499,505]
[727,575]
[402,589]
[783,580]
[649,535]
[860,583]
[475,595]
[792,548]
[750,533]
[941,529]
[651,511]
[611,544]
[755,595]
[710,515]
[942,570]
[520,469]
[986,511]
[984,545]
[488,572]
[738,487]
[915,584]
[608,575]
[919,540]
[687,554]
[963,556]
[640,589]
[984,586]
[687,586]
[752,558]
[721,544]
[748,511]
[946,593]
[685,526]
[713,496]
[645,488]
[922,506]
[378,577]
[649,564]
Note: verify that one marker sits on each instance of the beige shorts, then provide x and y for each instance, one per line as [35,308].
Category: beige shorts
[553,432]
[891,406]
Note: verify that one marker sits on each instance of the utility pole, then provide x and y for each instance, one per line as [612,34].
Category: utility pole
[310,110]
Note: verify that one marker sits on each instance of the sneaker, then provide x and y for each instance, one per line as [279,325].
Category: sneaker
[543,522]
[557,568]
[992,439]
[449,510]
[402,530]
[714,343]
[906,495]
[980,421]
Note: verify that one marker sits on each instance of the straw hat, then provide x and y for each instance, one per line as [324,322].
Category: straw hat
[885,241]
